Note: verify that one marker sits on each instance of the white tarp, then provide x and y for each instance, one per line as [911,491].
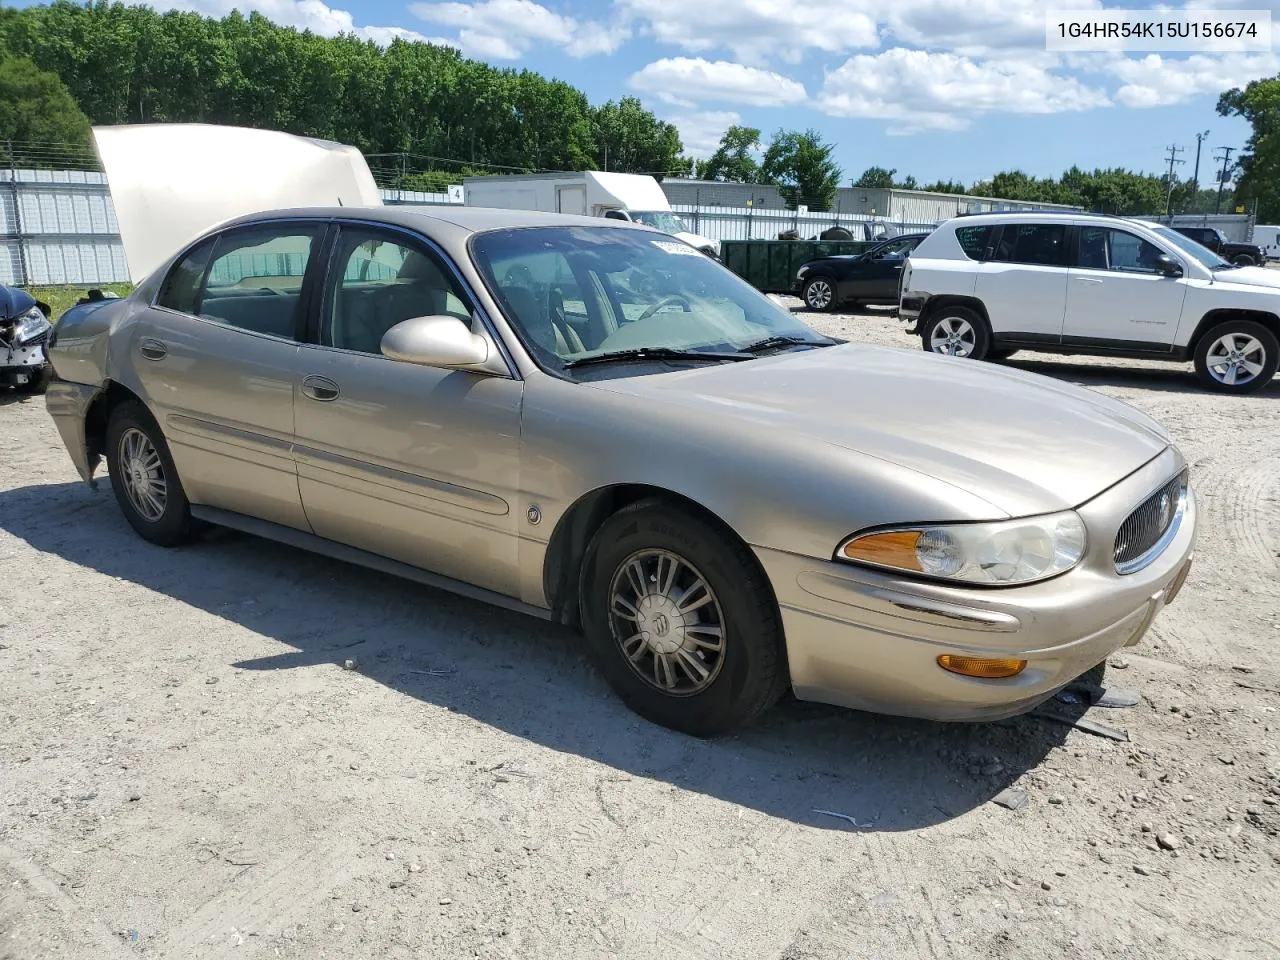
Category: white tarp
[170,182]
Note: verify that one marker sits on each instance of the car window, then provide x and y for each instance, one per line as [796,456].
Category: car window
[570,292]
[1188,246]
[1103,248]
[378,280]
[975,241]
[897,248]
[254,281]
[181,288]
[1042,244]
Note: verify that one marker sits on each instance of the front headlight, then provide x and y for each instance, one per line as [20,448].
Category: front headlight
[1002,553]
[30,326]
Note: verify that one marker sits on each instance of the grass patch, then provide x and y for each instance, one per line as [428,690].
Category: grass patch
[60,299]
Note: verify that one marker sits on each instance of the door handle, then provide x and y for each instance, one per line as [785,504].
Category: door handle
[153,349]
[1090,279]
[320,388]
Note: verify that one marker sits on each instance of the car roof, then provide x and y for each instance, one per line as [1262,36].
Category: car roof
[1037,216]
[467,219]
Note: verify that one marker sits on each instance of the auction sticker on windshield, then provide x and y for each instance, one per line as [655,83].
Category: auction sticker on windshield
[679,249]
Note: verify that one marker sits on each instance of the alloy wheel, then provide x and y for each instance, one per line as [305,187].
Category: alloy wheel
[1236,359]
[142,473]
[818,294]
[953,336]
[667,621]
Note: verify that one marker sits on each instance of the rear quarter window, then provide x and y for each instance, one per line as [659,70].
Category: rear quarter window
[975,241]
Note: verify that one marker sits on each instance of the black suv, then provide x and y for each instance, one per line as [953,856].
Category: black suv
[1244,254]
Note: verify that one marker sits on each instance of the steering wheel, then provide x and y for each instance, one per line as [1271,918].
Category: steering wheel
[664,302]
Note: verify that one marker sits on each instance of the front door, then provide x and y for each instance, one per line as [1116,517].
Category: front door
[1115,296]
[217,364]
[880,276]
[410,462]
[1024,284]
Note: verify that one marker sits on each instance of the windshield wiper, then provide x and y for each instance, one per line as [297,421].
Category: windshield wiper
[1225,266]
[771,343]
[651,353]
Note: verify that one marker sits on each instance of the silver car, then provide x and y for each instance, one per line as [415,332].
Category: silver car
[595,424]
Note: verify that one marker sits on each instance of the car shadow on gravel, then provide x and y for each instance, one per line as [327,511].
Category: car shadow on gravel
[803,762]
[1165,379]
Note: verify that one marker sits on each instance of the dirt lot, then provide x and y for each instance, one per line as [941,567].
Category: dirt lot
[187,769]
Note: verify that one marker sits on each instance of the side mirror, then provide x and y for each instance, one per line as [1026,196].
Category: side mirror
[1167,266]
[435,342]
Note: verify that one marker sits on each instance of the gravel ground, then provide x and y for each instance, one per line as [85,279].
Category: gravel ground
[188,770]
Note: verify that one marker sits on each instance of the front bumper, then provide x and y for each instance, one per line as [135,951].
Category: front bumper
[868,640]
[21,365]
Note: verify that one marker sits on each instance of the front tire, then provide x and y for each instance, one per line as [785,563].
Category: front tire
[144,479]
[820,294]
[957,332]
[1244,260]
[681,621]
[1238,356]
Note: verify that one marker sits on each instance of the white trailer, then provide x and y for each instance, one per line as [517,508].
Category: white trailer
[591,193]
[1268,238]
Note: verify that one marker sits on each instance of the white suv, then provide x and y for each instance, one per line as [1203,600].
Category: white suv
[986,286]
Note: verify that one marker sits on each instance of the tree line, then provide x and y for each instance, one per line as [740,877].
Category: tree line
[815,177]
[131,64]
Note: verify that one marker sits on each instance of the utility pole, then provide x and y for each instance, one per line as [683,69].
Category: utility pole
[1222,178]
[1195,177]
[1174,150]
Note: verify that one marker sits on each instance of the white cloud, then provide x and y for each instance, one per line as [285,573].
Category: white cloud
[982,28]
[508,29]
[919,90]
[1156,81]
[758,30]
[685,81]
[312,15]
[700,132]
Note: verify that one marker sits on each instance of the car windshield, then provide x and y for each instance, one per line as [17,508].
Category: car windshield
[1188,246]
[578,292]
[662,220]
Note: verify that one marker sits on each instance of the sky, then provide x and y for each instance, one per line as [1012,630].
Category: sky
[940,89]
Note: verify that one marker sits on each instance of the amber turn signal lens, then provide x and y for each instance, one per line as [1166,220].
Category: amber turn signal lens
[981,667]
[896,549]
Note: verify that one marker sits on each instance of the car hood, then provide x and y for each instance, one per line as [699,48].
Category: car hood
[170,182]
[1024,443]
[1249,277]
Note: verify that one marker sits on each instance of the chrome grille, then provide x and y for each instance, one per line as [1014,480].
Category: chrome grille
[1143,529]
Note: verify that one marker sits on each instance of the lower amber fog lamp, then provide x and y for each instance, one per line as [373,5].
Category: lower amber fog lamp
[981,666]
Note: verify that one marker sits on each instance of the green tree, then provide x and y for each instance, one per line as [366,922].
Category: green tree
[875,178]
[36,108]
[732,162]
[630,139]
[1259,163]
[945,186]
[424,103]
[801,165]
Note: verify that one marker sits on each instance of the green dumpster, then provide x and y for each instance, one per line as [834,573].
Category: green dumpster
[770,265]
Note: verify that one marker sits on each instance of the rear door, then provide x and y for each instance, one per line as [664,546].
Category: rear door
[1115,297]
[216,360]
[1024,284]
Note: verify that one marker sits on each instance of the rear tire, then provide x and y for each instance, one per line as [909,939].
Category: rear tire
[1244,260]
[144,479]
[1237,356]
[681,620]
[956,331]
[820,294]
